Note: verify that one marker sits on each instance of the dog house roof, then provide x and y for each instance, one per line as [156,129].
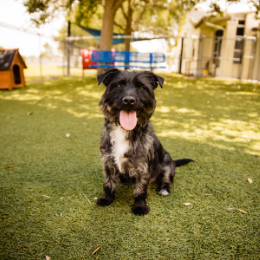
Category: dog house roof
[7,57]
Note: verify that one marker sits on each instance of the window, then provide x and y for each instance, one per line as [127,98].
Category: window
[239,43]
[217,45]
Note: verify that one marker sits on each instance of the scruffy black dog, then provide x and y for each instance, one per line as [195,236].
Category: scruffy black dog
[129,148]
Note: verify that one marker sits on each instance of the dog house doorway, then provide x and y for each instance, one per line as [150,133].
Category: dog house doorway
[17,76]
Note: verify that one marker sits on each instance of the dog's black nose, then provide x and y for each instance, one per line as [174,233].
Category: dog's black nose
[128,100]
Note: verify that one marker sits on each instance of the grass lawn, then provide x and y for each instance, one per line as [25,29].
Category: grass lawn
[33,72]
[45,173]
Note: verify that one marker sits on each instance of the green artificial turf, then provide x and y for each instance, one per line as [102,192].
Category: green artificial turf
[44,173]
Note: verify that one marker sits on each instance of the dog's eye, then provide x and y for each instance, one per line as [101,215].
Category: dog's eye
[142,88]
[118,86]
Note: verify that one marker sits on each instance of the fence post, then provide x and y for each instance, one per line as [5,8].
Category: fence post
[242,58]
[258,66]
[200,56]
[68,51]
[40,58]
[180,65]
[252,62]
[63,57]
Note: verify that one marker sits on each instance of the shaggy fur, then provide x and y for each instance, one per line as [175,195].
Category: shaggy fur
[135,155]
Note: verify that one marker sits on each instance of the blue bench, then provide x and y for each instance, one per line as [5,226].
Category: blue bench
[145,60]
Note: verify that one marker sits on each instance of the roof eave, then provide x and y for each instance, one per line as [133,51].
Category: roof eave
[205,22]
[17,53]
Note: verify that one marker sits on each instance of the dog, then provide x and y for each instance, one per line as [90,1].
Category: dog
[130,151]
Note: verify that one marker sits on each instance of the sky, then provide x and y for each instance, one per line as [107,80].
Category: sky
[14,13]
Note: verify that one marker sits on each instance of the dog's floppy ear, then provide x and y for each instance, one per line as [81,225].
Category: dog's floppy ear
[160,80]
[152,78]
[106,75]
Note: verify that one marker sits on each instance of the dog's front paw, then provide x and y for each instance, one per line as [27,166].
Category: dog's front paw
[140,209]
[105,200]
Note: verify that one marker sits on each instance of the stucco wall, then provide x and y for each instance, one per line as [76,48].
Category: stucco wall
[204,49]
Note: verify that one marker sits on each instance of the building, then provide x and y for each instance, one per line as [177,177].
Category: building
[226,47]
[11,69]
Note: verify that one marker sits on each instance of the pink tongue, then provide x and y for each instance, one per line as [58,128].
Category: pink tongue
[128,120]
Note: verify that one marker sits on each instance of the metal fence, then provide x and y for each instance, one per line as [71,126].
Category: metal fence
[223,57]
[203,56]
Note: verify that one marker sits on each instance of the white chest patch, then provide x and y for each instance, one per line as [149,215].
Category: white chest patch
[120,146]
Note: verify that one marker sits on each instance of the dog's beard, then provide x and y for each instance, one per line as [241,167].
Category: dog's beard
[127,116]
[127,119]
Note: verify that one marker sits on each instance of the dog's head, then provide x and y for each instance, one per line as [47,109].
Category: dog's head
[129,96]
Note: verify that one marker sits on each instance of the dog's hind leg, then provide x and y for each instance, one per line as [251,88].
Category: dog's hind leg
[110,185]
[165,179]
[140,183]
[164,185]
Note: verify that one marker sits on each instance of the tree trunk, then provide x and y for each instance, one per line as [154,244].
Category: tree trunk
[111,6]
[128,29]
[127,45]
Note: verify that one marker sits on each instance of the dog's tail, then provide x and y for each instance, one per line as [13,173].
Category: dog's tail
[183,161]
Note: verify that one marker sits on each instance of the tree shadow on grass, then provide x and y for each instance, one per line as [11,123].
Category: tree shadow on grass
[44,174]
